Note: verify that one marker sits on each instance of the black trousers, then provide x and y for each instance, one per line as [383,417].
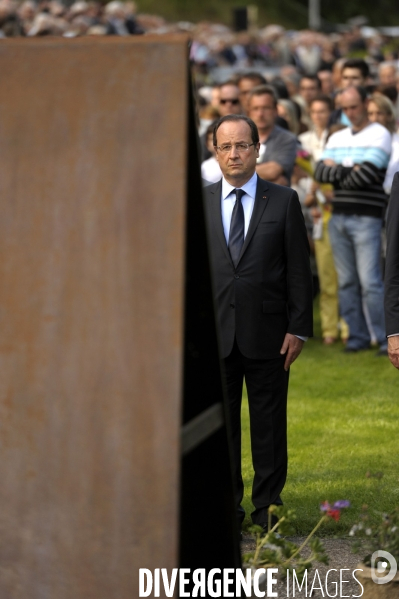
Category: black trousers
[267,387]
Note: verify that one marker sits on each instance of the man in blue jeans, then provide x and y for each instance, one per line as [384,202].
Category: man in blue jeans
[354,162]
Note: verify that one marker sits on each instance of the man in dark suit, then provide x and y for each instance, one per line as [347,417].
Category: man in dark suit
[392,275]
[263,293]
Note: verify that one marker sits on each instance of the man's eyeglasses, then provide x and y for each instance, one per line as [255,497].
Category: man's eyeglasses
[239,147]
[235,101]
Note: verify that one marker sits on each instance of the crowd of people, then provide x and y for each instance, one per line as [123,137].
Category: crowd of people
[330,135]
[327,127]
[296,120]
[54,18]
[214,45]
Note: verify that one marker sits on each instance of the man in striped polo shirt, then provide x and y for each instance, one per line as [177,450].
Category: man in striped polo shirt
[354,162]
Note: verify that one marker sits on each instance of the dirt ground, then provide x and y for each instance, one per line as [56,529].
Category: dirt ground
[340,557]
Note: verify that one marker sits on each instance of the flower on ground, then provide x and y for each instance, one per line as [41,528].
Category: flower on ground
[342,503]
[334,511]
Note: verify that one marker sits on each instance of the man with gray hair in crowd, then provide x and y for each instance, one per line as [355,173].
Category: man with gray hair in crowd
[120,18]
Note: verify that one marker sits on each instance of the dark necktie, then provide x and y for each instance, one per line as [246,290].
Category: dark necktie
[236,236]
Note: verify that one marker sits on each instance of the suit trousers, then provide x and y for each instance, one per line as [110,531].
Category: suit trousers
[267,387]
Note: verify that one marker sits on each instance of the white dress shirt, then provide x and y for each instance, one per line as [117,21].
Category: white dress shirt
[229,199]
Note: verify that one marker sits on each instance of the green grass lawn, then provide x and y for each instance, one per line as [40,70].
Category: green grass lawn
[343,422]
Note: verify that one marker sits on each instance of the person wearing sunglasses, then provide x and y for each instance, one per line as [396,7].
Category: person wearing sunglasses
[229,99]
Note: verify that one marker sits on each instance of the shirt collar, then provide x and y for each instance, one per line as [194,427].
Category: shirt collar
[249,187]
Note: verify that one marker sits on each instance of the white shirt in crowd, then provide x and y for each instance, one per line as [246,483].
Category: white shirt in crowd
[210,170]
[393,165]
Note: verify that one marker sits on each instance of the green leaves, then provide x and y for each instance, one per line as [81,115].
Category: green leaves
[370,536]
[274,550]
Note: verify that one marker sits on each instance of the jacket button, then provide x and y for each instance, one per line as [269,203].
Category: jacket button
[236,276]
[232,306]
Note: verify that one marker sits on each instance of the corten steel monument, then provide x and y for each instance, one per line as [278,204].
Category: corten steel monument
[113,447]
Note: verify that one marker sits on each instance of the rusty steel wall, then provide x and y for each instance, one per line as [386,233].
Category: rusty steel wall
[92,194]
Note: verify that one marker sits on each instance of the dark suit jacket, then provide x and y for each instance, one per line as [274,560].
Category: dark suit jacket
[270,291]
[392,262]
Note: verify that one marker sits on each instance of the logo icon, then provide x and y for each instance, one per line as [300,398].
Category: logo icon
[380,572]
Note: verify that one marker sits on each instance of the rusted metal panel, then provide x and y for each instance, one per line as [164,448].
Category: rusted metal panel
[92,194]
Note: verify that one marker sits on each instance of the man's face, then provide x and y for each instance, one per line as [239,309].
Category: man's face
[327,83]
[352,77]
[319,114]
[245,86]
[308,89]
[229,102]
[354,108]
[387,76]
[237,167]
[262,111]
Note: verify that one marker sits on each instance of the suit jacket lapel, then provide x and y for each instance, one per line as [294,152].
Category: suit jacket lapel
[216,216]
[261,201]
